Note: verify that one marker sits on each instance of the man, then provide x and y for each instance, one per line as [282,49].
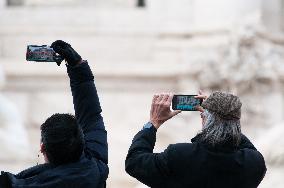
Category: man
[74,147]
[219,156]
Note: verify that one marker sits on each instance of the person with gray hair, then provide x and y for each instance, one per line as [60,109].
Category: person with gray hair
[218,156]
[221,114]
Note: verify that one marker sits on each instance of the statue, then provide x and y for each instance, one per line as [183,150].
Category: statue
[13,136]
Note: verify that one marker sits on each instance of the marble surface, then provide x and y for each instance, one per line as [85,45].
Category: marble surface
[178,46]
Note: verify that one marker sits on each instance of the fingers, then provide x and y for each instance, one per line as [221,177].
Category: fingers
[160,110]
[155,97]
[160,97]
[201,95]
[170,98]
[165,98]
[58,49]
[199,108]
[59,46]
[60,43]
[58,63]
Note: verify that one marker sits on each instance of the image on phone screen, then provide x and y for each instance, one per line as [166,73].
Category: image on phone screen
[185,102]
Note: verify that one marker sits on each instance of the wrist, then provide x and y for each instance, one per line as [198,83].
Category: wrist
[80,62]
[149,126]
[155,124]
[75,62]
[80,73]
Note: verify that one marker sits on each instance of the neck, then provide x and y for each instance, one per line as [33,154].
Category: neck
[45,158]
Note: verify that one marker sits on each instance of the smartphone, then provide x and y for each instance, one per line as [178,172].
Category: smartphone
[185,102]
[43,53]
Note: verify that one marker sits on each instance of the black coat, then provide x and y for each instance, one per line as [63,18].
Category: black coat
[194,165]
[91,171]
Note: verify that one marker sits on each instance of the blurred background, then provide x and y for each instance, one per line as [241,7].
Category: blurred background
[137,48]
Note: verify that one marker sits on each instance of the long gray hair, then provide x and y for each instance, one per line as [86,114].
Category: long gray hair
[218,131]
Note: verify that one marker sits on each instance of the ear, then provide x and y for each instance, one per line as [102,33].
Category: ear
[42,148]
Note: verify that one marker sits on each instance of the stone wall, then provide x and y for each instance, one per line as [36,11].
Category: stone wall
[66,3]
[169,45]
[273,14]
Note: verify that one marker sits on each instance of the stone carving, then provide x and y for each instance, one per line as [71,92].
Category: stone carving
[13,137]
[246,63]
[272,145]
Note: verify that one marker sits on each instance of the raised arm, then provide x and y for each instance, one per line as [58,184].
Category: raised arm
[153,169]
[88,111]
[86,102]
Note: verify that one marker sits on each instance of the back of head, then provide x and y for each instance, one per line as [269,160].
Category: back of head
[62,139]
[227,106]
[222,125]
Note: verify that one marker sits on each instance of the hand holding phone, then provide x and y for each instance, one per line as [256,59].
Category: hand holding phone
[161,109]
[57,52]
[67,52]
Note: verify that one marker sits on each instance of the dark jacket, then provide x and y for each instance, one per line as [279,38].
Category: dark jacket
[91,171]
[194,165]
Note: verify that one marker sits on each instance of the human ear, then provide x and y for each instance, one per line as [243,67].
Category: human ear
[42,148]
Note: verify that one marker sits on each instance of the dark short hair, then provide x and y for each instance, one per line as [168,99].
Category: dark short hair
[62,139]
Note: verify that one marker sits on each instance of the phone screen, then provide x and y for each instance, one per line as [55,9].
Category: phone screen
[41,53]
[185,102]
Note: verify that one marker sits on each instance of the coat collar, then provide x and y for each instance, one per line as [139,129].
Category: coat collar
[35,170]
[222,147]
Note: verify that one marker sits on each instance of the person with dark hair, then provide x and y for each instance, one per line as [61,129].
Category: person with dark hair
[62,140]
[75,148]
[220,156]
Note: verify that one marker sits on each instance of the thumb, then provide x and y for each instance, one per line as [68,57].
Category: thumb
[199,108]
[58,49]
[59,62]
[176,112]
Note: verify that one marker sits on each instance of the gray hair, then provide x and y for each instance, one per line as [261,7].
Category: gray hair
[218,131]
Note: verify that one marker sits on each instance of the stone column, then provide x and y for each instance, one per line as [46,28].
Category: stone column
[172,15]
[282,15]
[15,2]
[272,15]
[2,3]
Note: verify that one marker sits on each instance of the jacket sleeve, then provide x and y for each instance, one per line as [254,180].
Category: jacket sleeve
[258,159]
[150,168]
[4,180]
[88,111]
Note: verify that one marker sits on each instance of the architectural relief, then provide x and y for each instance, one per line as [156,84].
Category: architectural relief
[168,45]
[13,135]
